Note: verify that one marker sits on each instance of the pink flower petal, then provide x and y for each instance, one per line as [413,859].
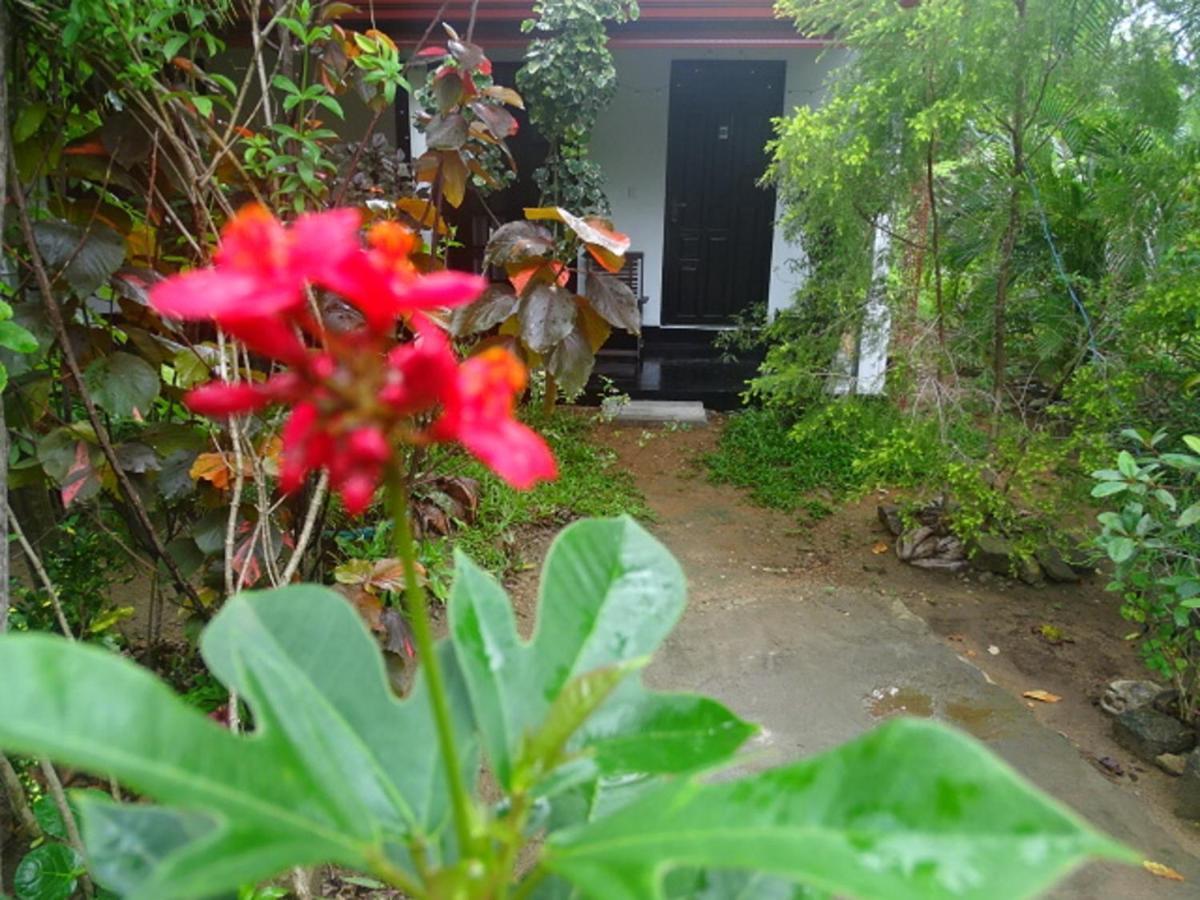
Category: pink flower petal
[218,399]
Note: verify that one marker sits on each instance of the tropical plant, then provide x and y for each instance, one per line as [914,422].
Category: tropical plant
[340,770]
[600,779]
[569,79]
[1152,537]
[552,326]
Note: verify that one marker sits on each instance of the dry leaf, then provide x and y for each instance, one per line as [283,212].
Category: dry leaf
[1044,696]
[1157,868]
[880,547]
[210,467]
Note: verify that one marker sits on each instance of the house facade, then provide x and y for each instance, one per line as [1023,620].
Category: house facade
[681,146]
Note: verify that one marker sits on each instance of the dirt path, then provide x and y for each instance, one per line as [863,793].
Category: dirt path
[815,636]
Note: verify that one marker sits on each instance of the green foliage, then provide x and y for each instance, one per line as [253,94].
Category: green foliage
[589,484]
[340,771]
[1150,534]
[48,872]
[568,79]
[781,461]
[85,567]
[1035,166]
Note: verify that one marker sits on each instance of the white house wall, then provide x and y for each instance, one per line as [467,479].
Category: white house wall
[630,144]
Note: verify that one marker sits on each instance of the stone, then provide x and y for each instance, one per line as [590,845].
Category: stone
[1147,733]
[1055,565]
[889,517]
[1187,794]
[1128,693]
[951,548]
[993,554]
[940,564]
[1029,571]
[1171,763]
[911,541]
[689,412]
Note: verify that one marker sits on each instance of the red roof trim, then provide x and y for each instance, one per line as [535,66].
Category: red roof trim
[516,10]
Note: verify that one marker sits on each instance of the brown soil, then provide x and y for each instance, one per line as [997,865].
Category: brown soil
[995,623]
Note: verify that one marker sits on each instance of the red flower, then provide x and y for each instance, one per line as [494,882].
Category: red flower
[355,402]
[479,415]
[384,284]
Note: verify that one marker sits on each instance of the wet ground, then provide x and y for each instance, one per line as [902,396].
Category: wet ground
[812,634]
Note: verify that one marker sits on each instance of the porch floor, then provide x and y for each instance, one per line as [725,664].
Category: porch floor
[674,369]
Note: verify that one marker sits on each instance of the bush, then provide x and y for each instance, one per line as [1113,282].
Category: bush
[1150,533]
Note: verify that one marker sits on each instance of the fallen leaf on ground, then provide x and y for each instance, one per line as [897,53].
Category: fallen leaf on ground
[1157,868]
[880,547]
[994,650]
[1044,696]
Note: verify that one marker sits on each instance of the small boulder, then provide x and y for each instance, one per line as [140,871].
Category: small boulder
[1148,734]
[1171,763]
[889,517]
[940,564]
[912,544]
[993,554]
[952,548]
[1055,566]
[1128,693]
[1029,571]
[1187,795]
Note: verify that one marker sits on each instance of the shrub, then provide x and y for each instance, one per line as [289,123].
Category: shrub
[1150,533]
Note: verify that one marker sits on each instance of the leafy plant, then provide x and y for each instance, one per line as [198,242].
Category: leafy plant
[554,327]
[1153,540]
[340,770]
[569,79]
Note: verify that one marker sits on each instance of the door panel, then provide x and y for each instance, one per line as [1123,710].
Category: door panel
[719,222]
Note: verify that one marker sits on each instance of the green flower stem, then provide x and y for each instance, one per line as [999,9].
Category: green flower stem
[418,610]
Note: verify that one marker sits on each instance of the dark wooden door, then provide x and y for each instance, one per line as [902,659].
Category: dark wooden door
[719,222]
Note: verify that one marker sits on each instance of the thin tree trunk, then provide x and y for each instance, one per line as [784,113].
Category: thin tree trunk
[4,551]
[935,243]
[1009,241]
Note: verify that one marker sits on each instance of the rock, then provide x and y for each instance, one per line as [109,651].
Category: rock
[1171,763]
[1055,565]
[993,554]
[1128,693]
[911,541]
[1187,796]
[1148,734]
[1029,571]
[889,517]
[951,548]
[1167,702]
[940,564]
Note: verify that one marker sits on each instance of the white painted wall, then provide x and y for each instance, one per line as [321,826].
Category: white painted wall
[630,144]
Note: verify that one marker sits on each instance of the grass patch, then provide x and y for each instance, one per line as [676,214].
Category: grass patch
[588,485]
[782,460]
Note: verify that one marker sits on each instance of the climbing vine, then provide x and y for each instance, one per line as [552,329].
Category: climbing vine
[567,81]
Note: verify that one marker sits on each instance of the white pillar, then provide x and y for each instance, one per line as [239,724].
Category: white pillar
[875,335]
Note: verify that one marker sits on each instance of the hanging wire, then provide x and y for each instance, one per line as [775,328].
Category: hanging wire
[1060,267]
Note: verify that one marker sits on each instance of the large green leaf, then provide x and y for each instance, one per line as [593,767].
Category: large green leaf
[121,383]
[911,811]
[48,872]
[337,769]
[609,594]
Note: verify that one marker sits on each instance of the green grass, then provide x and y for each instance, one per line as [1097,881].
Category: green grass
[589,484]
[781,461]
